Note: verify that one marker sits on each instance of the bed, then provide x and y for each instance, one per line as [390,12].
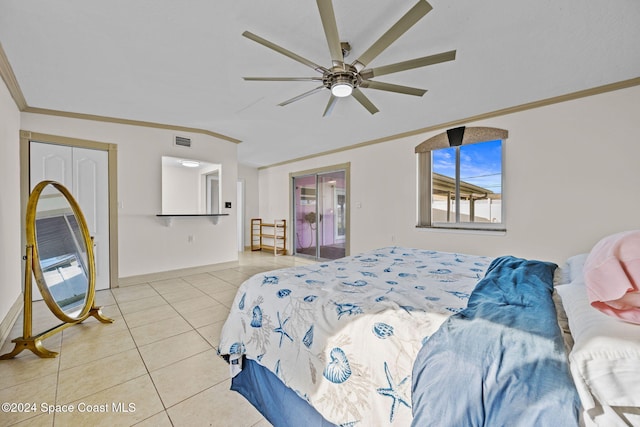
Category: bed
[372,339]
[603,341]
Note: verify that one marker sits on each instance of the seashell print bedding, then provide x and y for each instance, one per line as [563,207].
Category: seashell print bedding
[344,334]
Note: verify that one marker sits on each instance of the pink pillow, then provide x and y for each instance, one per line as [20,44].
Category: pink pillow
[612,276]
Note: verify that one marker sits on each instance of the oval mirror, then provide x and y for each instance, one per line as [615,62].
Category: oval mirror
[63,261]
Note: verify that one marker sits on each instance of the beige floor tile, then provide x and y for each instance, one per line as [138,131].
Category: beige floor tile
[110,311]
[37,391]
[198,280]
[256,260]
[157,331]
[170,350]
[216,406]
[150,315]
[251,269]
[26,367]
[87,379]
[44,420]
[195,374]
[225,298]
[131,293]
[160,419]
[195,304]
[206,316]
[214,288]
[141,304]
[188,293]
[211,333]
[231,276]
[87,348]
[122,405]
[170,285]
[42,319]
[94,329]
[104,297]
[262,423]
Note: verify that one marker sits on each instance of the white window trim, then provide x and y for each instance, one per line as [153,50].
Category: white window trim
[471,135]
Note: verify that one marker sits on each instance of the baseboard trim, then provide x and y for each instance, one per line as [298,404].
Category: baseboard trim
[10,319]
[172,274]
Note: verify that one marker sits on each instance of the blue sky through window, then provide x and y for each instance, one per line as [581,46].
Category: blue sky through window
[480,164]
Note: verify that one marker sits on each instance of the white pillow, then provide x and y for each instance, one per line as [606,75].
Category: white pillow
[605,359]
[572,269]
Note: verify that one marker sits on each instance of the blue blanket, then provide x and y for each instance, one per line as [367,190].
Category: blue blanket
[501,361]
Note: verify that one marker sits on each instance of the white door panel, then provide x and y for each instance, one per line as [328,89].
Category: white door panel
[91,190]
[49,161]
[84,172]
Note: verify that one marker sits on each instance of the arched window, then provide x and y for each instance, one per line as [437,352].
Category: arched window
[460,179]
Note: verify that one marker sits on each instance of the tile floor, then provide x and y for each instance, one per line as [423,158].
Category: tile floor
[156,365]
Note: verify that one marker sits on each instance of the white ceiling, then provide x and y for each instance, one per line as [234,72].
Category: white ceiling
[181,62]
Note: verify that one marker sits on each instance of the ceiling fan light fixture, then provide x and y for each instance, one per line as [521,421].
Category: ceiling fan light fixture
[342,87]
[343,79]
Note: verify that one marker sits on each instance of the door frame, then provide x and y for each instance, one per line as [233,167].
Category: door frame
[112,159]
[240,209]
[346,167]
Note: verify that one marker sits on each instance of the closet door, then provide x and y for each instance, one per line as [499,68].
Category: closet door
[91,191]
[85,174]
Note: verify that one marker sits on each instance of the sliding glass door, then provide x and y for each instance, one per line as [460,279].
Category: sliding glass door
[320,212]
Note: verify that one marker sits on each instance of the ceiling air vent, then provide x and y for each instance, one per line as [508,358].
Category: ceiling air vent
[181,141]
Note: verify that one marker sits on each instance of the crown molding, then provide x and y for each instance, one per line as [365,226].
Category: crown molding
[6,72]
[497,113]
[116,120]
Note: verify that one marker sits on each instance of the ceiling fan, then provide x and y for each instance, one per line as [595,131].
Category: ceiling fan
[344,79]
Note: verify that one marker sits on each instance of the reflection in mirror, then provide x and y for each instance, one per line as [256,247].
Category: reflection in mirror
[190,187]
[62,252]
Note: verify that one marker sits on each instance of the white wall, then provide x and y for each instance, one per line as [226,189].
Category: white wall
[183,184]
[10,246]
[572,176]
[145,243]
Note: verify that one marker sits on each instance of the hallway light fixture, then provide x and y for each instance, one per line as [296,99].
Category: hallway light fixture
[189,163]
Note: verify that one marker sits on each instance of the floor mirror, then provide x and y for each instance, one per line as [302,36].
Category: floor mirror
[60,258]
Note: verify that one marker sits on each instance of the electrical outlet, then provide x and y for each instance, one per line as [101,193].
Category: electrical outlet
[190,238]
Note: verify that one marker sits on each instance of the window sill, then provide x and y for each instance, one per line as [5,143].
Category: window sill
[463,230]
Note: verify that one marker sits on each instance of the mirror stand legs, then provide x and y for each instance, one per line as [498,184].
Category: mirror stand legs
[97,313]
[33,343]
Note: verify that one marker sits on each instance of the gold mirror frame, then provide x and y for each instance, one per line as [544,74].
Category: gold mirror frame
[33,267]
[38,273]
